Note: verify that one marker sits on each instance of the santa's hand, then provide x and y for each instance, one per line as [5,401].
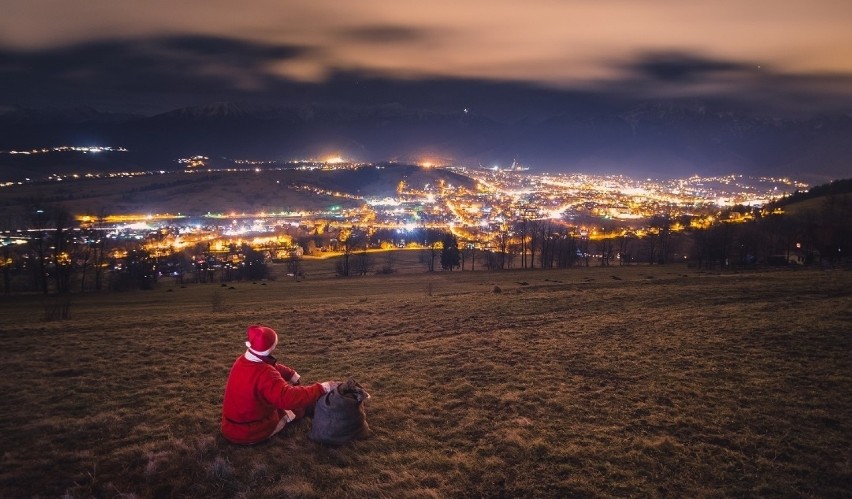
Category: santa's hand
[328,386]
[294,379]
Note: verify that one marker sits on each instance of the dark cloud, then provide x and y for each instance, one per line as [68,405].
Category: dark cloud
[684,67]
[385,34]
[229,48]
[737,85]
[170,70]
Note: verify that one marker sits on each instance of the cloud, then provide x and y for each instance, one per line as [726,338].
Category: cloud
[381,34]
[685,67]
[157,74]
[740,84]
[172,68]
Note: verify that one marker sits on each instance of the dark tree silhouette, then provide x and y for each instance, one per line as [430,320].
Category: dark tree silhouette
[254,263]
[363,262]
[38,221]
[450,256]
[62,260]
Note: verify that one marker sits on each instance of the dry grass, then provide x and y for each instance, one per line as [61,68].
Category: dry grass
[663,382]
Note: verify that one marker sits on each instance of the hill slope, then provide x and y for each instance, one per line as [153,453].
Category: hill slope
[227,191]
[562,385]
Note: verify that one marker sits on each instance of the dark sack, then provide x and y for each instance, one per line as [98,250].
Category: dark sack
[339,415]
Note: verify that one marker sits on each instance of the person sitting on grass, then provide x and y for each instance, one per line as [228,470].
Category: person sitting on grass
[261,395]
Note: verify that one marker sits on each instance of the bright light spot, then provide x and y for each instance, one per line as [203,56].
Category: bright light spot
[334,160]
[383,202]
[635,191]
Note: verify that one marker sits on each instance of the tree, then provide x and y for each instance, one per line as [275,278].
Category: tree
[363,262]
[502,245]
[534,240]
[294,265]
[38,220]
[254,263]
[521,228]
[345,239]
[450,256]
[468,252]
[832,235]
[563,247]
[659,244]
[432,246]
[388,262]
[7,265]
[6,224]
[605,248]
[138,271]
[350,239]
[62,251]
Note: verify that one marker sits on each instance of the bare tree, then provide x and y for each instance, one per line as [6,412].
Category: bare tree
[37,224]
[502,245]
[350,239]
[7,224]
[346,241]
[363,262]
[468,252]
[547,237]
[535,239]
[388,262]
[294,265]
[62,251]
[431,247]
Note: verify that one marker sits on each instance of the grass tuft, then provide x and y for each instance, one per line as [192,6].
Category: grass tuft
[220,469]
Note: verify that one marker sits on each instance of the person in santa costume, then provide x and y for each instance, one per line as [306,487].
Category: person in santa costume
[261,395]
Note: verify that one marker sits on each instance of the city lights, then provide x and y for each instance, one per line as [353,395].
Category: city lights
[482,209]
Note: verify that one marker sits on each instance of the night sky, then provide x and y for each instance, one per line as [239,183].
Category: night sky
[153,56]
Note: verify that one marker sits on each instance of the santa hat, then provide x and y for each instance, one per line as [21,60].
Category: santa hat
[261,339]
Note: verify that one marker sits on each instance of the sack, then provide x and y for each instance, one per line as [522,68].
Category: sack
[339,416]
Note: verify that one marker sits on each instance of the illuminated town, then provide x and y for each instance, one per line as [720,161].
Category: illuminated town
[483,211]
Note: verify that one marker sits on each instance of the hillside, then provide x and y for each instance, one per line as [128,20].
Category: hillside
[622,381]
[813,197]
[224,191]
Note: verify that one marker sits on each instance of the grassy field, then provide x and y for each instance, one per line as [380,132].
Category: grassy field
[622,381]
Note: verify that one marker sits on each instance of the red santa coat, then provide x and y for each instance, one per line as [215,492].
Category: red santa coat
[256,396]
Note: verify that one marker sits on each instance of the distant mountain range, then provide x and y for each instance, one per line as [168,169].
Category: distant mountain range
[660,139]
